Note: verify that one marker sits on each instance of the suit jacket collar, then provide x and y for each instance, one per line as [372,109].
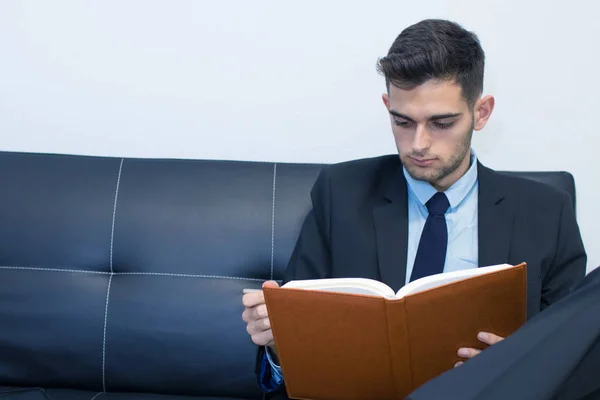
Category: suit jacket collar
[496,213]
[391,226]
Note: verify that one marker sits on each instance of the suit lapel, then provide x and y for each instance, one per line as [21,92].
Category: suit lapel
[496,214]
[391,229]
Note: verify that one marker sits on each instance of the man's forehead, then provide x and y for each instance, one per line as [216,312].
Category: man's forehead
[428,99]
[428,91]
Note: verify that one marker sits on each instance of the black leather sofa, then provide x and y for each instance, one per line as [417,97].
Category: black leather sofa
[122,278]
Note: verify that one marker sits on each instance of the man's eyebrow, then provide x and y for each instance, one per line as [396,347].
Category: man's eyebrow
[444,116]
[397,114]
[432,118]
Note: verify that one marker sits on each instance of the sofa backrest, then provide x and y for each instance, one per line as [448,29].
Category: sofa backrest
[127,274]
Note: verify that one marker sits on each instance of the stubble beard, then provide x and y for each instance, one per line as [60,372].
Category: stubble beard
[433,176]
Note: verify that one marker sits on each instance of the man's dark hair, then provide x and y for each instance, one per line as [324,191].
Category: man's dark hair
[435,49]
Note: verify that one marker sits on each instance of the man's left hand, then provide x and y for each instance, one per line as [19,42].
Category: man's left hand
[485,337]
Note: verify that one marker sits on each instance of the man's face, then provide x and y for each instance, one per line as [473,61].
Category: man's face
[432,126]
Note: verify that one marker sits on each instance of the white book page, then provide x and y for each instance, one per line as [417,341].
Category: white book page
[344,285]
[436,280]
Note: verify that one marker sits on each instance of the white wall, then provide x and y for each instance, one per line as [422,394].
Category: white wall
[289,81]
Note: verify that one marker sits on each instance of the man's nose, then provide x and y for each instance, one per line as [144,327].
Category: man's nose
[421,139]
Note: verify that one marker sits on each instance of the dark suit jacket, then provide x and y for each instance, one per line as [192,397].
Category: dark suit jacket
[554,356]
[358,227]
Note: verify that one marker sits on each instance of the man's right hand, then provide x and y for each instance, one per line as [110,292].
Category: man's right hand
[256,317]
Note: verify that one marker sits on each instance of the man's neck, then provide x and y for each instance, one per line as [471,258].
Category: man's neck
[458,173]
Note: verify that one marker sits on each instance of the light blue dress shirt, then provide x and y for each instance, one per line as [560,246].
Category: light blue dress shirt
[461,220]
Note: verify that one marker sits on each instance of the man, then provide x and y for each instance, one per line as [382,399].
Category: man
[433,207]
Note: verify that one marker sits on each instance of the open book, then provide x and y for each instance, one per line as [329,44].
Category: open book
[376,288]
[354,338]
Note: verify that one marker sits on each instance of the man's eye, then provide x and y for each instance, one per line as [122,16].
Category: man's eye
[404,124]
[443,125]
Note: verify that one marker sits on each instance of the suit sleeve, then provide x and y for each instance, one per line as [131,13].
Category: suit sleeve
[568,268]
[310,259]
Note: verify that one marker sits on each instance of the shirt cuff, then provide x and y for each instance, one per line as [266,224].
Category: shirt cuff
[275,367]
[271,376]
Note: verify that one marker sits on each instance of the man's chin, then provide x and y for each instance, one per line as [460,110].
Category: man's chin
[421,174]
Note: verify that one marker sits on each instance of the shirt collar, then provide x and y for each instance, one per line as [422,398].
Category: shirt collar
[455,193]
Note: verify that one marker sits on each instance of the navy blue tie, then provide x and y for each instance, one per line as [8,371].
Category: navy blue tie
[431,254]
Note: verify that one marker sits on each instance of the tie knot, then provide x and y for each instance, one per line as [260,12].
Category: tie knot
[438,204]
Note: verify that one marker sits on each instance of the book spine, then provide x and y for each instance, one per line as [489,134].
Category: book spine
[400,359]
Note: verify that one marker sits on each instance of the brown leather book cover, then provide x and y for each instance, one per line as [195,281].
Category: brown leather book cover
[335,345]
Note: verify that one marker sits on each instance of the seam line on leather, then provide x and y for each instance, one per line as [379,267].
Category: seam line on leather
[81,271]
[273,220]
[96,395]
[104,335]
[112,230]
[112,241]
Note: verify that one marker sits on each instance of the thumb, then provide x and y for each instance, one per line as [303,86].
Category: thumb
[270,284]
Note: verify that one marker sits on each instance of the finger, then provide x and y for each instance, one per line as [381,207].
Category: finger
[259,312]
[250,315]
[255,313]
[247,315]
[489,338]
[258,326]
[263,338]
[250,300]
[468,352]
[458,364]
[255,298]
[270,284]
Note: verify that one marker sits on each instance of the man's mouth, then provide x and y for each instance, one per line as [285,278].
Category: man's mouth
[422,162]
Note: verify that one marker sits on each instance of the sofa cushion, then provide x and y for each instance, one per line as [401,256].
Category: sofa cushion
[126,275]
[18,393]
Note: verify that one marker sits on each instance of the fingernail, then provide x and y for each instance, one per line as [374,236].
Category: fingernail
[458,364]
[483,336]
[463,352]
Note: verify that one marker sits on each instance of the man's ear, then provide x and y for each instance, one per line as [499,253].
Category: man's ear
[386,100]
[483,110]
